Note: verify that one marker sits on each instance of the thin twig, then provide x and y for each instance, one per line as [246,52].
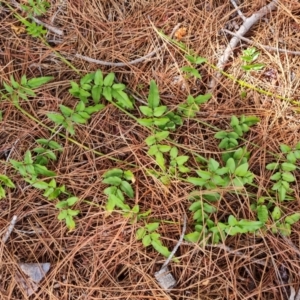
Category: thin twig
[121,64]
[9,229]
[177,245]
[239,253]
[262,46]
[245,27]
[238,10]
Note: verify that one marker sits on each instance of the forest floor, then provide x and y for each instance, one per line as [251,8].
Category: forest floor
[101,258]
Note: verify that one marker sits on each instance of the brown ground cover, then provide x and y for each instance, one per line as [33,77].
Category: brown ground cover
[101,258]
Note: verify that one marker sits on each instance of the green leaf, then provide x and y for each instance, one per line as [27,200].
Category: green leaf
[213,165]
[110,205]
[113,172]
[110,190]
[56,118]
[230,164]
[146,240]
[6,181]
[118,202]
[153,97]
[98,80]
[282,193]
[232,221]
[113,180]
[107,93]
[27,158]
[72,212]
[152,226]
[140,233]
[93,109]
[72,200]
[161,135]
[288,167]
[109,79]
[212,197]
[285,148]
[242,170]
[182,159]
[276,176]
[37,82]
[2,192]
[191,71]
[153,150]
[220,135]
[119,86]
[70,222]
[43,171]
[145,122]
[147,111]
[62,204]
[262,213]
[128,175]
[292,219]
[272,166]
[161,121]
[159,111]
[8,88]
[193,237]
[159,158]
[78,118]
[173,152]
[123,99]
[196,206]
[40,185]
[154,236]
[96,93]
[234,121]
[127,189]
[202,98]
[62,215]
[164,148]
[291,158]
[196,181]
[150,140]
[160,248]
[204,174]
[276,213]
[288,176]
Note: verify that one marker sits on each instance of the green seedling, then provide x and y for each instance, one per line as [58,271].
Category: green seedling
[192,71]
[66,212]
[249,56]
[119,188]
[35,7]
[25,88]
[5,182]
[191,106]
[149,236]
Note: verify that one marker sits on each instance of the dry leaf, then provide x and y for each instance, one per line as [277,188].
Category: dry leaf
[180,33]
[18,29]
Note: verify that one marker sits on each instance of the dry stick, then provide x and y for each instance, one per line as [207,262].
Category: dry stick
[49,27]
[164,278]
[177,245]
[245,27]
[238,10]
[9,229]
[262,46]
[121,64]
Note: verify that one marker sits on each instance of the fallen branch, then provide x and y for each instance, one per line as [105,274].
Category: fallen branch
[262,46]
[245,27]
[163,276]
[9,229]
[121,64]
